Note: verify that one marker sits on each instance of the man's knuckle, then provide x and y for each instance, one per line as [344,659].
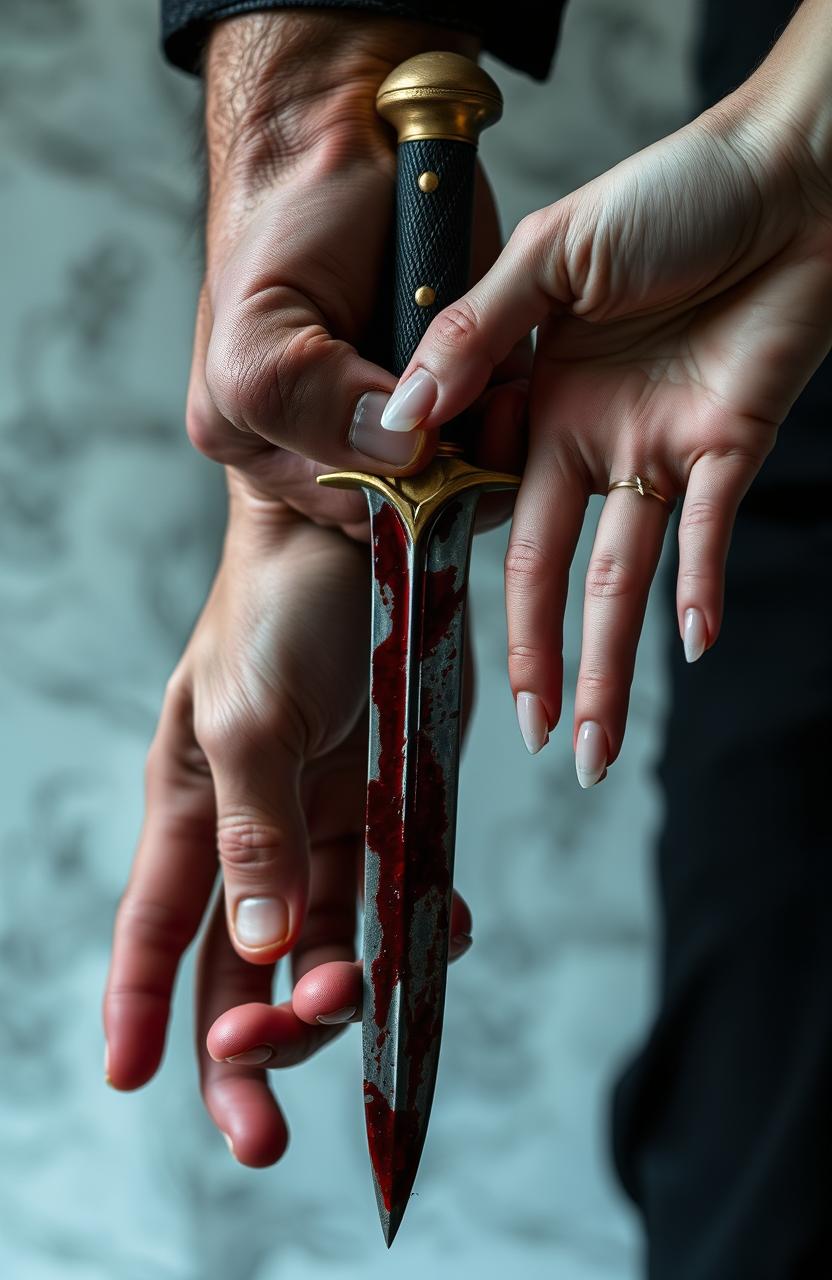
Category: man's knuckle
[217,376]
[254,388]
[609,576]
[237,375]
[201,428]
[299,361]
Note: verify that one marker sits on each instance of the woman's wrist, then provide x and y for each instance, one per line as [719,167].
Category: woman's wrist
[783,113]
[795,80]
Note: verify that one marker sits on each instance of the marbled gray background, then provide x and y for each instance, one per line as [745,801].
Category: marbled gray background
[109,527]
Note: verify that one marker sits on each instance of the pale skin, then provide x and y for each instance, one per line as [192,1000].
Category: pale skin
[682,303]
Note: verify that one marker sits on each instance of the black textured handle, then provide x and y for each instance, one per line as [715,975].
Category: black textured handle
[434,209]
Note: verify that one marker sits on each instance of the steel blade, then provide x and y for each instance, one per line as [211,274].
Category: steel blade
[419,599]
[421,537]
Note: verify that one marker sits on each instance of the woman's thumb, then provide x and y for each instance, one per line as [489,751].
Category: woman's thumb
[455,360]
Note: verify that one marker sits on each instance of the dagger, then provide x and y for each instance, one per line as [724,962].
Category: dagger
[421,530]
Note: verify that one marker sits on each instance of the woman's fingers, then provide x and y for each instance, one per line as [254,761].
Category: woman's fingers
[236,1094]
[624,557]
[163,904]
[456,358]
[716,487]
[627,547]
[547,523]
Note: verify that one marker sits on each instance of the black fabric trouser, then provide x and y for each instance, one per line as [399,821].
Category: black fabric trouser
[722,1128]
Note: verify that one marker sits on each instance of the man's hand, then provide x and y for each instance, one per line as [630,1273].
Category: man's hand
[300,207]
[261,752]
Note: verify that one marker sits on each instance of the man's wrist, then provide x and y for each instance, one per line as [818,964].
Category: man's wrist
[281,83]
[254,512]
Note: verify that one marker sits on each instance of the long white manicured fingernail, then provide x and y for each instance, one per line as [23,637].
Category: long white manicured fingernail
[261,922]
[368,436]
[338,1016]
[590,753]
[531,717]
[251,1057]
[410,402]
[695,635]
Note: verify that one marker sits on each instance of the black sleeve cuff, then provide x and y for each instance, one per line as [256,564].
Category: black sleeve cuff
[524,38]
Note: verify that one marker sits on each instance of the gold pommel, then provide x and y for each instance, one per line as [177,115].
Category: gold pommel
[439,95]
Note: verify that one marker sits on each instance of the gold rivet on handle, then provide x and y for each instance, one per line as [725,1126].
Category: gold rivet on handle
[424,296]
[428,181]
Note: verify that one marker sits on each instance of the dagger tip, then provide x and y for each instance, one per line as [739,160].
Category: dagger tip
[390,1224]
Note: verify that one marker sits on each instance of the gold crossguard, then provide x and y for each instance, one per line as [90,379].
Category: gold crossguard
[418,498]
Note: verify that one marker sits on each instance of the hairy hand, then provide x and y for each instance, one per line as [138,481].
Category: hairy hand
[297,272]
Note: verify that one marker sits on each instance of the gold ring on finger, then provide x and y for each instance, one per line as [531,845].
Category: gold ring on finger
[641,486]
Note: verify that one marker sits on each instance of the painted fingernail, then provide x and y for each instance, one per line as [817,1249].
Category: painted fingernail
[590,753]
[368,436]
[410,402]
[339,1016]
[229,1143]
[534,726]
[460,943]
[695,635]
[261,922]
[251,1057]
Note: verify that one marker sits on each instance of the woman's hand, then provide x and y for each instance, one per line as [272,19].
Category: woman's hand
[683,301]
[261,754]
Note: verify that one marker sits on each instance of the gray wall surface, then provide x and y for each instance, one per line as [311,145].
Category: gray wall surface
[109,529]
